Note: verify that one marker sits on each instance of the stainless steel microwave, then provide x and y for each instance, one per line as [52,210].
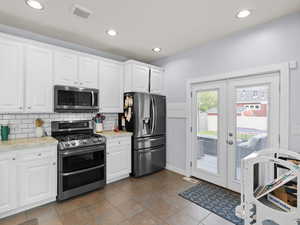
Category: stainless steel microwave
[75,100]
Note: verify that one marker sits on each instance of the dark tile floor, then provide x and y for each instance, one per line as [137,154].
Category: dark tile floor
[151,200]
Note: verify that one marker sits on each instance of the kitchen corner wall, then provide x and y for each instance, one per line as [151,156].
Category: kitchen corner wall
[23,125]
[270,43]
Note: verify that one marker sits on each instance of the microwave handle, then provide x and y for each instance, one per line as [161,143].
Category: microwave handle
[93,99]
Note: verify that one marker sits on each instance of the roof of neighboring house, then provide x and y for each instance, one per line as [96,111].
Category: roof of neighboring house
[253,94]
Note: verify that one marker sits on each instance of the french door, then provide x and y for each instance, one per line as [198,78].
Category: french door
[231,119]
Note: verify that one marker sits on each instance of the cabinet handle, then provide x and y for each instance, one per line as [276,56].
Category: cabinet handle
[75,82]
[54,164]
[13,159]
[20,107]
[40,154]
[107,153]
[29,107]
[81,83]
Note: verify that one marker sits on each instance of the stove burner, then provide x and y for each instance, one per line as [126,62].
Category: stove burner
[78,140]
[74,137]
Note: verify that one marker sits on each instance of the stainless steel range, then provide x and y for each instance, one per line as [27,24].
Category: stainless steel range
[81,158]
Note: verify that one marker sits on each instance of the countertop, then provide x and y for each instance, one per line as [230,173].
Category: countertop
[18,144]
[113,134]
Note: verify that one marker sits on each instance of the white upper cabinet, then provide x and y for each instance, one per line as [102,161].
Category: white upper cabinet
[156,81]
[136,77]
[141,77]
[38,79]
[111,86]
[11,76]
[71,69]
[88,72]
[66,68]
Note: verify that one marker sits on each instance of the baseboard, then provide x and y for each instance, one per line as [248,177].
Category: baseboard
[117,178]
[175,169]
[27,207]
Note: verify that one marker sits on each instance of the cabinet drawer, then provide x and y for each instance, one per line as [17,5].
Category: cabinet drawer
[121,148]
[37,154]
[118,142]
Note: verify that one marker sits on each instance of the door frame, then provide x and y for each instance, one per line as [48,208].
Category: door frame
[284,73]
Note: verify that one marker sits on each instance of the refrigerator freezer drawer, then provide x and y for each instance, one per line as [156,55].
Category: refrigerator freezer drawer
[148,142]
[149,161]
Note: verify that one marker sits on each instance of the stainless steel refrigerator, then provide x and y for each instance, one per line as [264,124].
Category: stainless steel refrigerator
[145,116]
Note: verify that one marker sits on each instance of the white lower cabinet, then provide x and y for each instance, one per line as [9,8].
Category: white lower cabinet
[118,158]
[36,179]
[8,182]
[28,179]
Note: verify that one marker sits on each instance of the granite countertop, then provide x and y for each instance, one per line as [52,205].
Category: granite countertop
[113,134]
[26,143]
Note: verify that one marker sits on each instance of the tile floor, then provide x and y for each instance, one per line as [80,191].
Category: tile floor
[151,200]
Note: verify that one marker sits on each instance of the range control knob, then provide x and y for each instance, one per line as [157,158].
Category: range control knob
[73,143]
[95,140]
[67,144]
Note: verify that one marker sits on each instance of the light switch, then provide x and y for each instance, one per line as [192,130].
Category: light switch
[293,64]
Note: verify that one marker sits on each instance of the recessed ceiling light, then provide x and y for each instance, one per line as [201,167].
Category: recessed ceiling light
[34,4]
[157,50]
[111,32]
[243,14]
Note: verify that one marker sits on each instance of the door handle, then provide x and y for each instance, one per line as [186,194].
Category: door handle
[93,99]
[230,142]
[153,115]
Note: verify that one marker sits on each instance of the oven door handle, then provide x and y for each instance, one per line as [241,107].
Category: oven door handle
[93,99]
[83,151]
[82,171]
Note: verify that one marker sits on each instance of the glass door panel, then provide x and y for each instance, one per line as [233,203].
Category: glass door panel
[207,130]
[252,119]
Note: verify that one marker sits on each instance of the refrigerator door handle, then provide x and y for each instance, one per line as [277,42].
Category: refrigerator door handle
[153,115]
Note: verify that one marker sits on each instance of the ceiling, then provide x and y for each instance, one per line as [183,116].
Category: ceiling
[173,25]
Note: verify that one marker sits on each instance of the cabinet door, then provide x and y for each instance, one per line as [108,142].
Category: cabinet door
[8,183]
[156,81]
[118,158]
[11,77]
[140,78]
[117,165]
[111,87]
[88,72]
[38,79]
[37,180]
[65,69]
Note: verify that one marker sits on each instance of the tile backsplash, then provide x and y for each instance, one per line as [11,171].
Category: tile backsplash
[23,125]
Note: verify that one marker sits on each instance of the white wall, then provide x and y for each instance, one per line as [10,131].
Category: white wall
[275,42]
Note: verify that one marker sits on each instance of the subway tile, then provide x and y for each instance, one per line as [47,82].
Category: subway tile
[9,116]
[21,136]
[23,125]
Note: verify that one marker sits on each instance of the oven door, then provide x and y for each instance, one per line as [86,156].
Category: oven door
[75,99]
[81,170]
